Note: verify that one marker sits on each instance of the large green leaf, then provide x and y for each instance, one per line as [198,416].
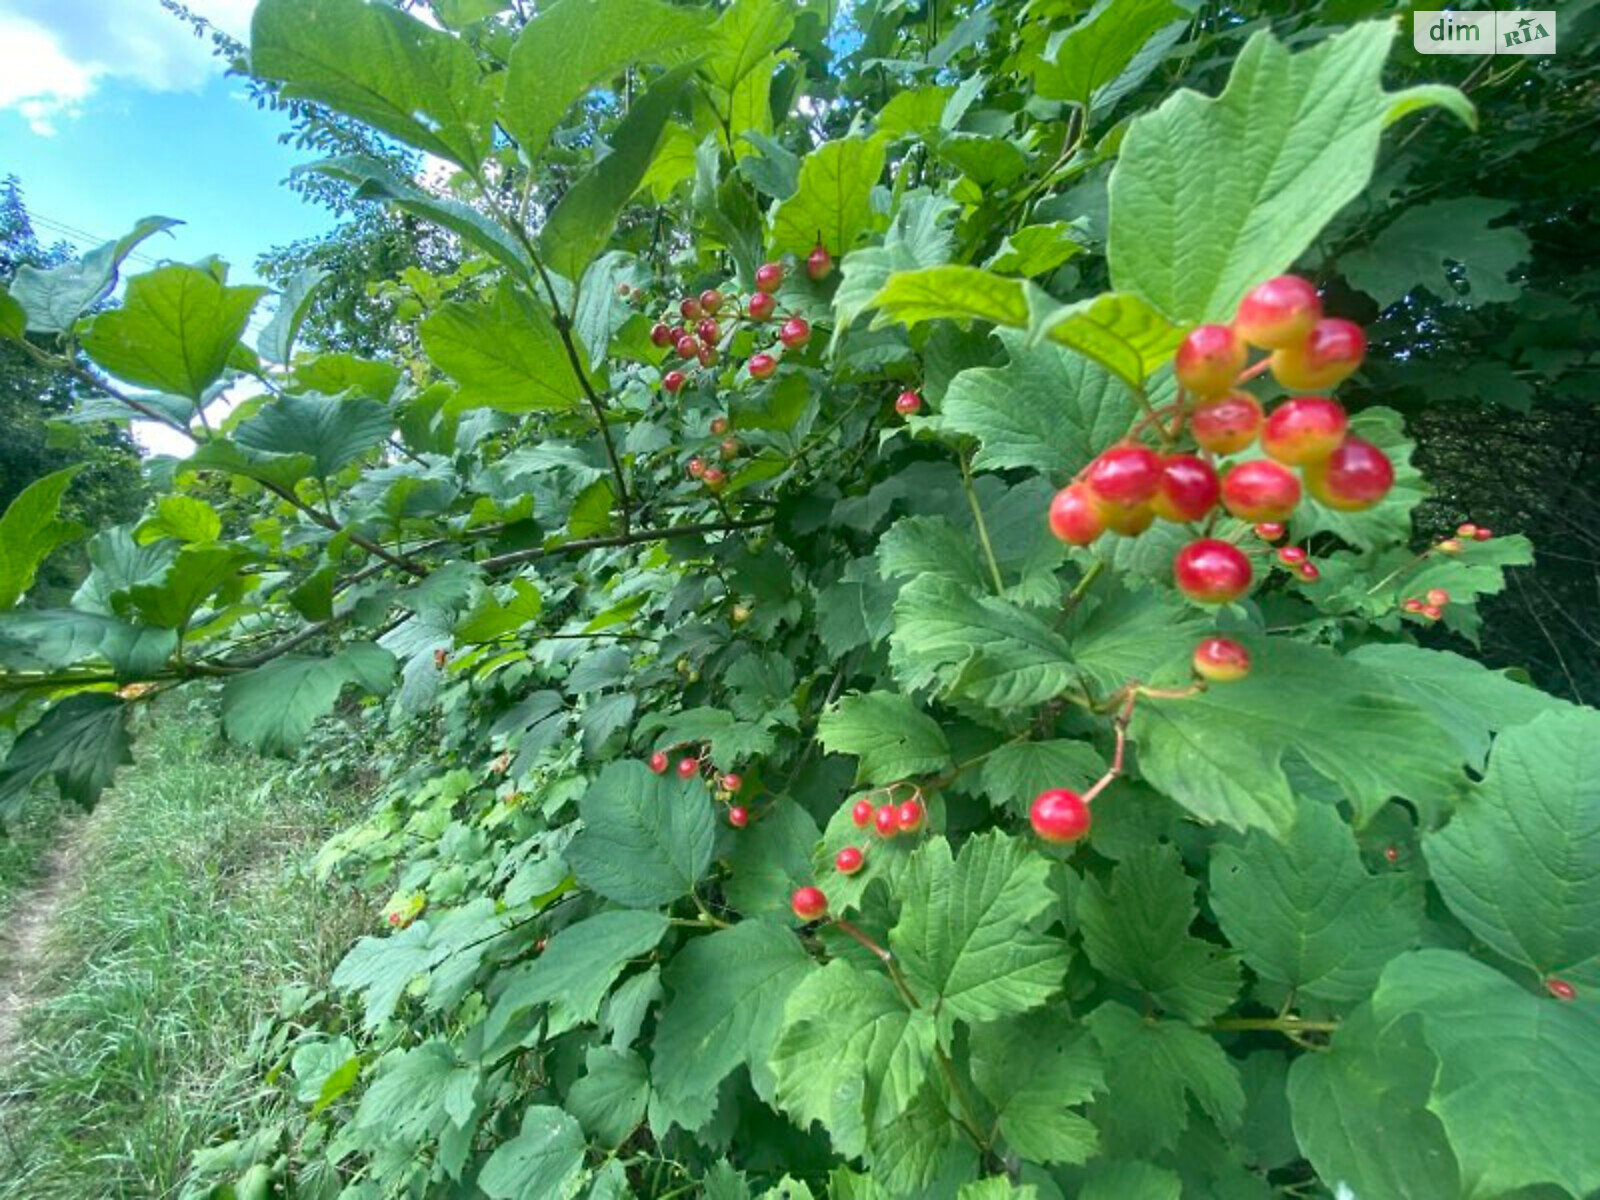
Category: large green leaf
[273,707]
[575,45]
[381,66]
[31,528]
[55,297]
[1035,1071]
[917,237]
[506,355]
[281,471]
[1519,862]
[581,222]
[646,838]
[726,1002]
[64,637]
[79,742]
[890,736]
[1136,930]
[175,330]
[834,202]
[13,318]
[1304,913]
[1221,753]
[1209,197]
[195,574]
[742,39]
[1017,772]
[1093,52]
[275,342]
[334,432]
[610,1097]
[1437,246]
[967,938]
[543,1162]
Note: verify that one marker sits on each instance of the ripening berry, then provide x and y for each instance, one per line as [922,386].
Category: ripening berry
[740,614]
[738,816]
[819,263]
[688,346]
[708,331]
[1391,854]
[1059,816]
[697,467]
[1125,475]
[769,277]
[1412,604]
[1279,312]
[688,768]
[1128,520]
[1209,359]
[661,334]
[1228,425]
[689,306]
[1330,354]
[714,478]
[908,402]
[1269,531]
[848,861]
[1438,597]
[1304,429]
[1221,660]
[1075,516]
[886,821]
[1482,534]
[1309,572]
[762,366]
[1188,489]
[910,816]
[1354,477]
[794,332]
[1560,989]
[731,782]
[1210,571]
[728,448]
[707,356]
[1261,490]
[762,306]
[1432,611]
[710,301]
[861,813]
[1449,546]
[624,290]
[658,762]
[1291,556]
[1467,530]
[441,656]
[719,426]
[808,903]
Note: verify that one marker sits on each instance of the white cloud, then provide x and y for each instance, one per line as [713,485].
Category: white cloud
[54,54]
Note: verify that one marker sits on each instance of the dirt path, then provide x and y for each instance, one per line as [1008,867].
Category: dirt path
[25,937]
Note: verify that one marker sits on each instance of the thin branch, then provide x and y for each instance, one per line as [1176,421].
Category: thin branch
[983,528]
[631,538]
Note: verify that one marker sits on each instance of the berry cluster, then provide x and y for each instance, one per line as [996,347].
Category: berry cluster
[1306,441]
[889,819]
[727,785]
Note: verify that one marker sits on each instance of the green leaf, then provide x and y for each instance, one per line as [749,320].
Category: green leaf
[418,1093]
[892,738]
[1518,1083]
[609,1099]
[13,319]
[196,572]
[1517,862]
[581,222]
[1136,930]
[382,968]
[1131,1179]
[281,471]
[575,45]
[1121,332]
[852,1056]
[1015,773]
[30,528]
[1147,634]
[966,937]
[948,636]
[1152,1067]
[1299,136]
[64,637]
[175,330]
[1221,753]
[334,432]
[543,1162]
[959,293]
[646,839]
[1034,250]
[741,39]
[1035,1071]
[275,342]
[80,742]
[919,236]
[834,202]
[506,355]
[770,859]
[1435,246]
[727,994]
[187,518]
[1304,913]
[918,545]
[1093,52]
[55,297]
[1048,408]
[381,66]
[272,708]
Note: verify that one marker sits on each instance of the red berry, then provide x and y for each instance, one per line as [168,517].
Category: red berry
[794,332]
[1355,476]
[819,263]
[1413,605]
[1188,489]
[1432,611]
[1126,475]
[1305,429]
[1075,515]
[707,356]
[697,467]
[688,768]
[1221,660]
[738,816]
[1560,989]
[1391,854]
[1209,360]
[1279,312]
[1211,571]
[1269,531]
[1227,425]
[1482,534]
[1438,597]
[710,300]
[886,821]
[1059,816]
[762,366]
[719,426]
[1467,530]
[808,903]
[729,448]
[688,346]
[690,308]
[907,402]
[1308,571]
[1261,490]
[762,306]
[674,380]
[848,861]
[658,762]
[661,334]
[769,277]
[1334,350]
[441,656]
[861,813]
[910,816]
[1292,556]
[731,782]
[714,478]
[708,331]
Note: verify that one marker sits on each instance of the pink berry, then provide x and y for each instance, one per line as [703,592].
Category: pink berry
[861,813]
[1304,429]
[762,306]
[673,381]
[1279,312]
[710,300]
[1188,489]
[1126,475]
[658,762]
[1075,515]
[769,277]
[1291,556]
[1561,989]
[909,816]
[794,332]
[1209,360]
[886,821]
[1329,355]
[688,768]
[907,402]
[1261,490]
[819,263]
[1228,425]
[848,861]
[1354,477]
[1059,816]
[738,816]
[762,366]
[808,903]
[1210,571]
[1221,660]
[732,782]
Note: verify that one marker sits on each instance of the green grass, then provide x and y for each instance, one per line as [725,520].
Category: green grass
[24,843]
[193,907]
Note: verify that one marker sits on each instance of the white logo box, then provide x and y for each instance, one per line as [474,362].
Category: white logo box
[1520,31]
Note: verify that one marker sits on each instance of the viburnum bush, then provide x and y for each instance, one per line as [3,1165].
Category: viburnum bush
[896,674]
